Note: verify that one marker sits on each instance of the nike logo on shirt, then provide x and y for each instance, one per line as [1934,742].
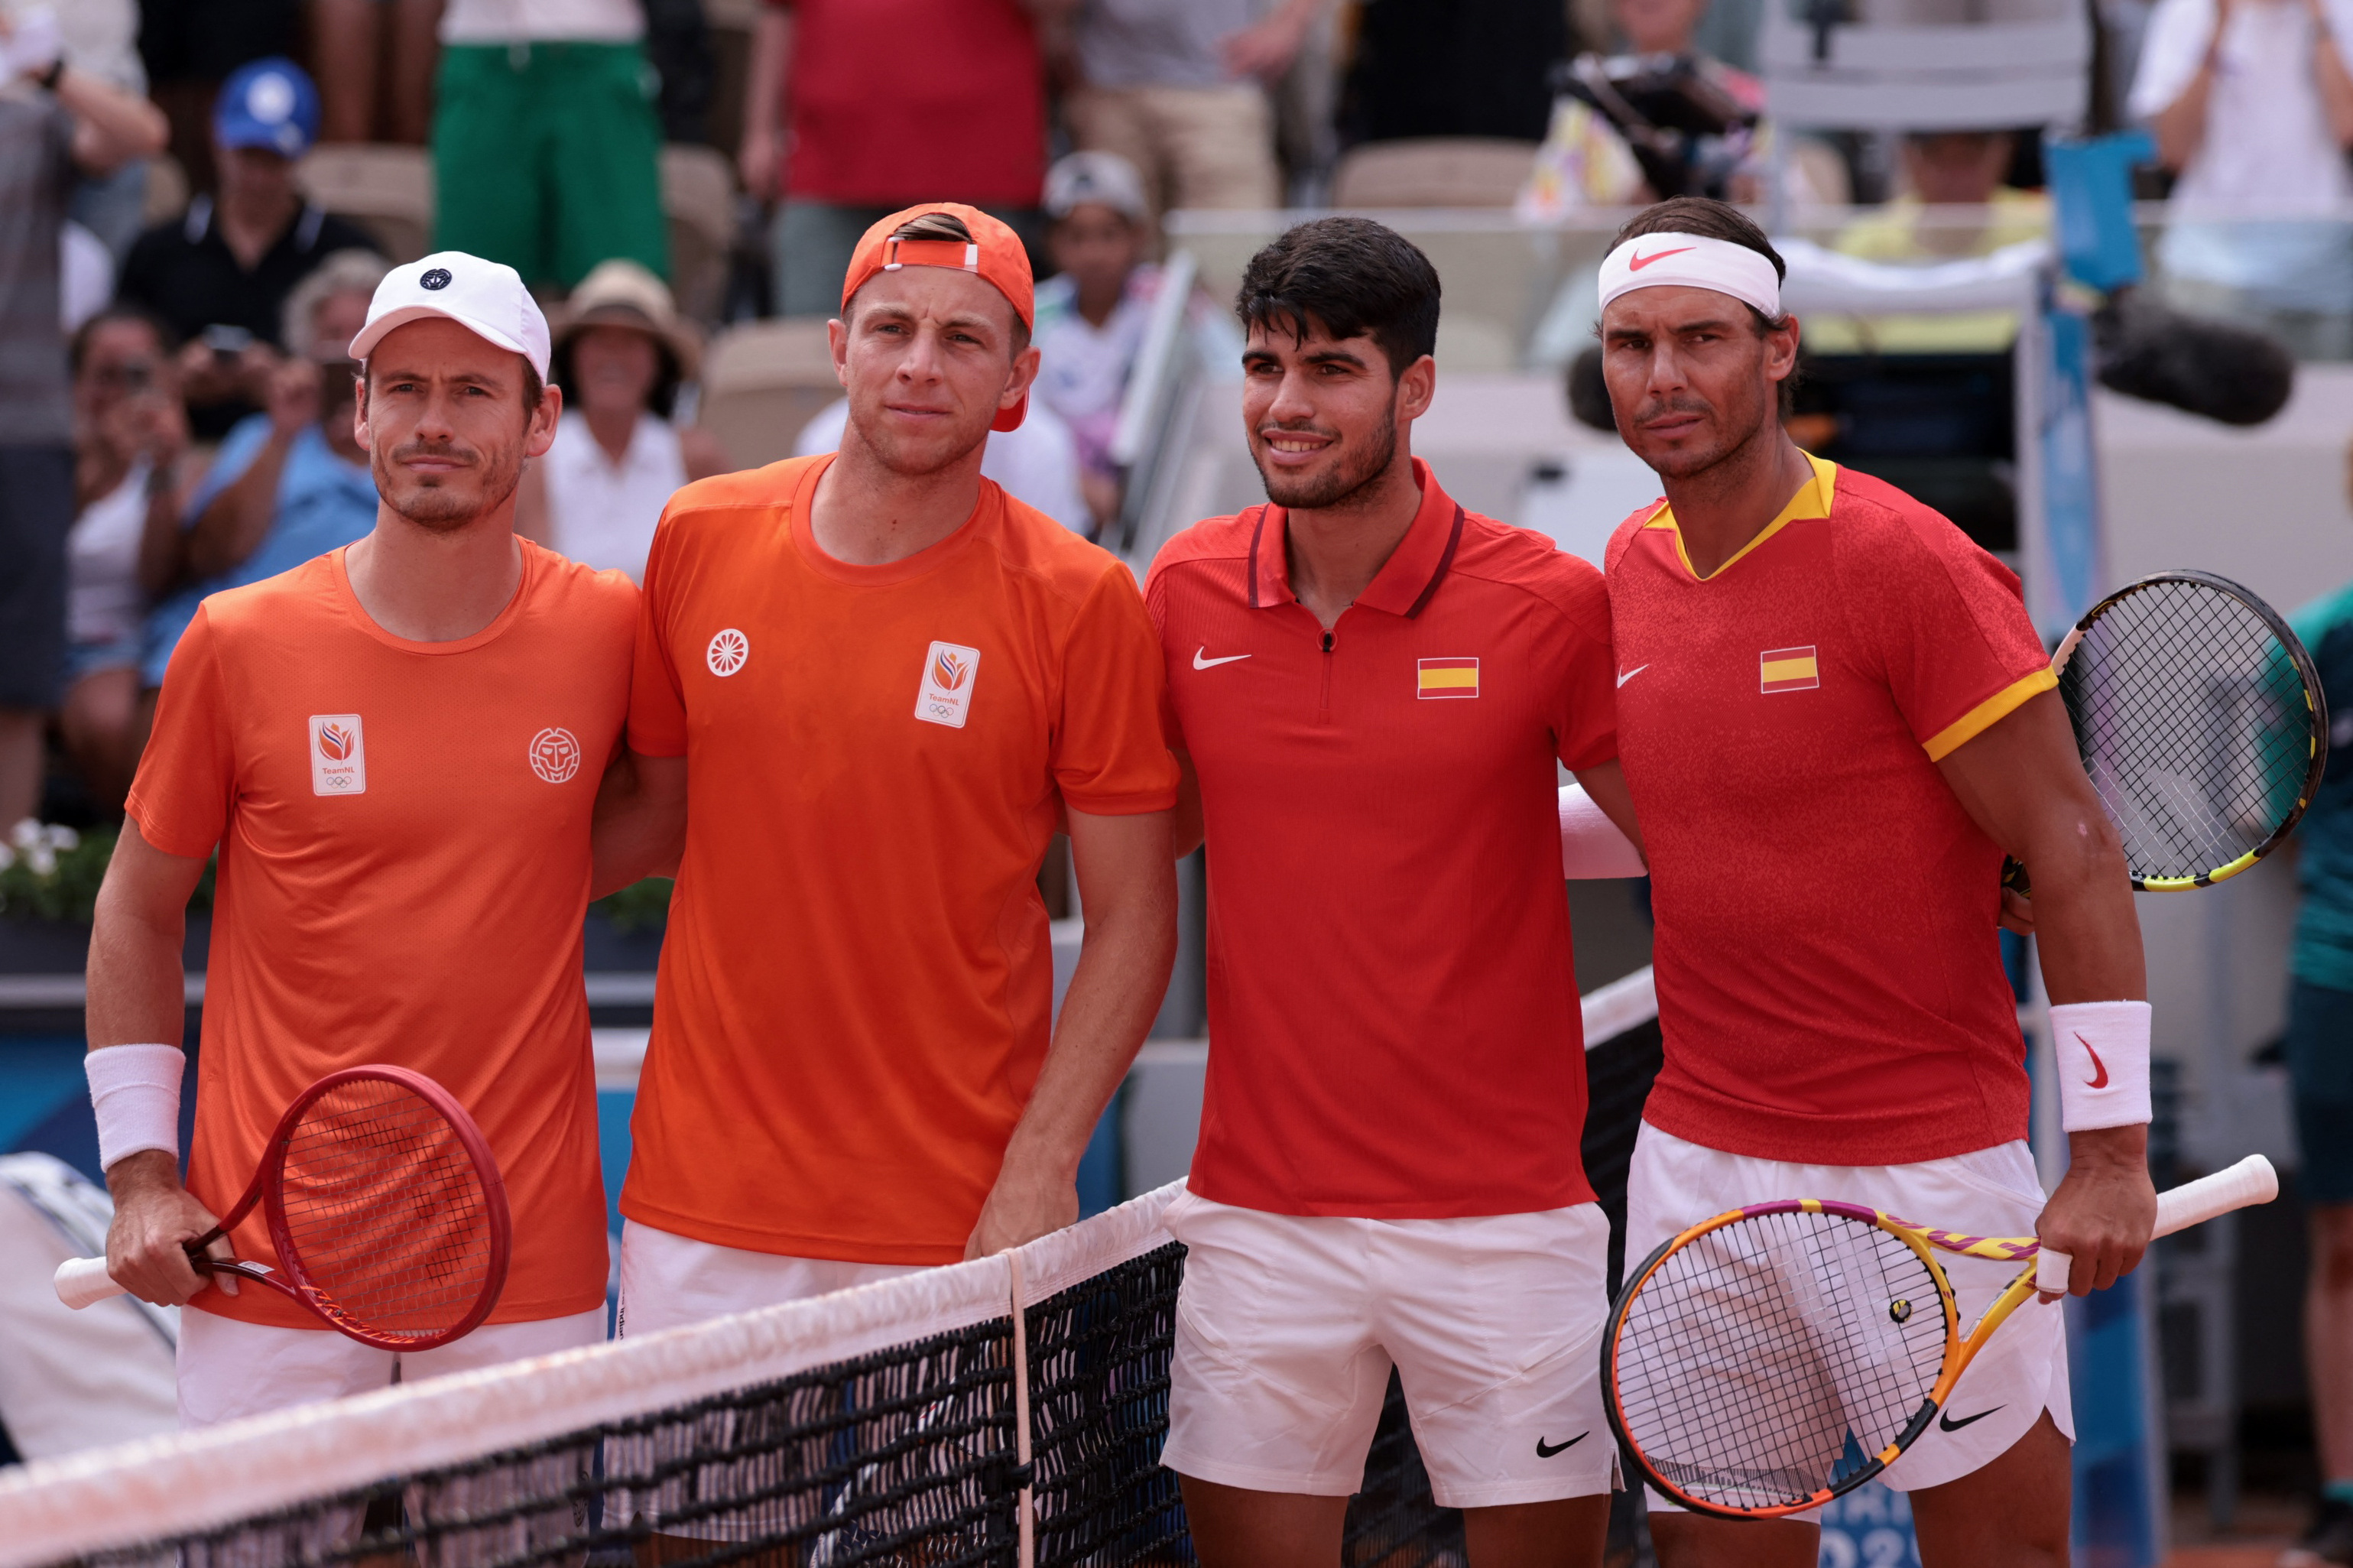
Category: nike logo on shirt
[1949,1424]
[1626,676]
[1546,1450]
[2099,1079]
[1636,263]
[1202,664]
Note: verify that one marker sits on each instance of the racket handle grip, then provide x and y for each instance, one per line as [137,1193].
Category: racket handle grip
[83,1280]
[2252,1181]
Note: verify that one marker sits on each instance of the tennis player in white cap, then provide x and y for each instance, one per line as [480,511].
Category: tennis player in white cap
[395,748]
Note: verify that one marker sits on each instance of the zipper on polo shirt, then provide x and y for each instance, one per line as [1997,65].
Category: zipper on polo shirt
[1323,704]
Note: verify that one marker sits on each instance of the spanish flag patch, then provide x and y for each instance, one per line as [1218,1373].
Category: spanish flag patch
[1446,677]
[1787,670]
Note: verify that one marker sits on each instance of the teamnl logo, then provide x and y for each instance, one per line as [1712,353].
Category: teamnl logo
[338,755]
[946,695]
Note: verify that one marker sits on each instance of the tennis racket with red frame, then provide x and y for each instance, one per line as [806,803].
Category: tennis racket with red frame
[1770,1359]
[386,1210]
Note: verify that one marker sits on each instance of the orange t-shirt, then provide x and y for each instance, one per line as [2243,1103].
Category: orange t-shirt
[403,866]
[857,983]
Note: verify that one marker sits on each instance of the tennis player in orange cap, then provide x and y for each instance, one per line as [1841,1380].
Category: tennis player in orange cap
[870,687]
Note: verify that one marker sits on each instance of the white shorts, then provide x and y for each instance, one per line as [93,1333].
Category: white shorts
[2023,1371]
[229,1368]
[668,1281]
[1287,1327]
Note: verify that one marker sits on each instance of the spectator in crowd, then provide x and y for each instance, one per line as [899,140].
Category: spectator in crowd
[546,147]
[101,38]
[191,46]
[57,123]
[1178,89]
[1453,68]
[620,352]
[2252,106]
[132,470]
[1951,169]
[292,481]
[1036,461]
[362,46]
[2319,1048]
[1092,313]
[219,276]
[881,103]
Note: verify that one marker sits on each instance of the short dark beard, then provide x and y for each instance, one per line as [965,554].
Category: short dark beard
[1337,487]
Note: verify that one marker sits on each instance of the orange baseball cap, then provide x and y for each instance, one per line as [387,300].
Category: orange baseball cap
[996,254]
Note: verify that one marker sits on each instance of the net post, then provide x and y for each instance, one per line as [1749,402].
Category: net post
[1029,1551]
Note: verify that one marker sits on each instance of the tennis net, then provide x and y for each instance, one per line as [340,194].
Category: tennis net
[922,1420]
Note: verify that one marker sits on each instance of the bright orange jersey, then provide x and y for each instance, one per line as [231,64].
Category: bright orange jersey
[857,983]
[404,865]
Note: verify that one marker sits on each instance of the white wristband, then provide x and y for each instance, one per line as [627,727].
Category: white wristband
[2102,1049]
[1590,843]
[135,1091]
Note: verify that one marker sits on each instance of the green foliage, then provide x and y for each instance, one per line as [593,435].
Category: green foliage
[640,907]
[53,873]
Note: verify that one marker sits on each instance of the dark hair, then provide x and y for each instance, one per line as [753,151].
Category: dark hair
[948,226]
[662,398]
[1713,219]
[166,340]
[1350,276]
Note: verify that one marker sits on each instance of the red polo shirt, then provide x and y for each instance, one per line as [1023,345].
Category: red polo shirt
[1831,985]
[1392,1004]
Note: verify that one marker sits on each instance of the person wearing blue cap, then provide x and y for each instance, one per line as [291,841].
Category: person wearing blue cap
[220,274]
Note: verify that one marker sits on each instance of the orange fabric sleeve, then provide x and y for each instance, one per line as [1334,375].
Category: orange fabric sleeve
[1110,750]
[656,703]
[187,774]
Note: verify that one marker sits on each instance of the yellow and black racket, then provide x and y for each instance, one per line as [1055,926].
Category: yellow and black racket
[2201,724]
[1768,1359]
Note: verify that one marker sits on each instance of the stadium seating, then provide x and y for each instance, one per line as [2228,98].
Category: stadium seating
[698,199]
[1436,170]
[762,381]
[386,189]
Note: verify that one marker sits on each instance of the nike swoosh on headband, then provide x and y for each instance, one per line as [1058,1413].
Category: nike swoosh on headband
[1636,263]
[2099,1080]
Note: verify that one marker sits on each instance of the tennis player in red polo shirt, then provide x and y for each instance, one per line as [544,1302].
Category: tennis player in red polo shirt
[1835,718]
[1372,686]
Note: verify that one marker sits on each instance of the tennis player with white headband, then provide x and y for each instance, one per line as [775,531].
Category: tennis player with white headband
[1835,718]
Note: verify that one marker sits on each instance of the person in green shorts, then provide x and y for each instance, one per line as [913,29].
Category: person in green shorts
[2320,1076]
[546,148]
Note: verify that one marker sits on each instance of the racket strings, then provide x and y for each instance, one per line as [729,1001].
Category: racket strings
[386,1210]
[1766,1360]
[2193,724]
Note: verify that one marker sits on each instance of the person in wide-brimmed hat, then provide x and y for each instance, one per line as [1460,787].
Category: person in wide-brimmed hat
[621,351]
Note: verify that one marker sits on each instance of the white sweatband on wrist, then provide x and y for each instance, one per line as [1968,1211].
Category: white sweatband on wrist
[2102,1048]
[1693,261]
[1590,843]
[135,1089]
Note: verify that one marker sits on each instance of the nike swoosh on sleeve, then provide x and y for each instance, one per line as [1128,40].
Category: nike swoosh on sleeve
[1628,674]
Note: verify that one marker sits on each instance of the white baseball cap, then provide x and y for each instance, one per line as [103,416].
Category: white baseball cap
[487,298]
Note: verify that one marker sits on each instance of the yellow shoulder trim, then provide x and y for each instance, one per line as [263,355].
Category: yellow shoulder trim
[1986,714]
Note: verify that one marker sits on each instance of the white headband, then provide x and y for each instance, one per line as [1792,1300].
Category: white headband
[1691,261]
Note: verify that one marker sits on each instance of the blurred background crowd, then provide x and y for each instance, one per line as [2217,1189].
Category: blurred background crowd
[199,196]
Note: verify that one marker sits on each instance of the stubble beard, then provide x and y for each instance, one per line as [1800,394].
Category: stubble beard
[433,504]
[1312,493]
